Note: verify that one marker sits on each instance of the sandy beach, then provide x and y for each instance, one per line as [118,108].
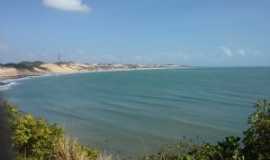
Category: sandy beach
[47,68]
[11,74]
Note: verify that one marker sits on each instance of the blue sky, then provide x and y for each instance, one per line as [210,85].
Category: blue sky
[205,33]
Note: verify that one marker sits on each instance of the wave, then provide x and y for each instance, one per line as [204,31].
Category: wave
[7,85]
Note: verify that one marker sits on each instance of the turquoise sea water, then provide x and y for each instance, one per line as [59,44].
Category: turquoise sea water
[139,111]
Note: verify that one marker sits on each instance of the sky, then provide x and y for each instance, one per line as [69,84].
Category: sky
[191,32]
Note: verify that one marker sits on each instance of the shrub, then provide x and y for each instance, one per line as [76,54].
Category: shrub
[69,149]
[257,136]
[25,65]
[36,139]
[32,137]
[229,149]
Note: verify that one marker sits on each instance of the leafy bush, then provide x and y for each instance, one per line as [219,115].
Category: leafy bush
[25,65]
[257,136]
[32,137]
[229,149]
[69,149]
[36,139]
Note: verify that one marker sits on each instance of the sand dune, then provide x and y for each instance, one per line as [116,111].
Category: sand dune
[35,68]
[11,72]
[64,68]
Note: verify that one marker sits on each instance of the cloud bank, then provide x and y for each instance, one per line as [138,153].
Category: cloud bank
[67,5]
[227,51]
[232,52]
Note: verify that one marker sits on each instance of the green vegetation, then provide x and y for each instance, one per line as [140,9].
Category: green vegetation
[255,144]
[24,65]
[36,139]
[257,137]
[64,62]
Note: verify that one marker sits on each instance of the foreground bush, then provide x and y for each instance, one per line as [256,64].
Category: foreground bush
[24,65]
[36,139]
[257,137]
[69,149]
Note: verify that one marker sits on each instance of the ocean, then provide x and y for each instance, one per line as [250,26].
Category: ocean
[136,112]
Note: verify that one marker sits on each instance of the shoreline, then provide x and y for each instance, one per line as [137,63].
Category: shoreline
[7,81]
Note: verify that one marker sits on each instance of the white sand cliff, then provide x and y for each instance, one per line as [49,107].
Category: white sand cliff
[11,72]
[65,68]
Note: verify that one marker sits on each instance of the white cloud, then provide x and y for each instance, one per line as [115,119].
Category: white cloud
[67,5]
[242,52]
[227,51]
[233,52]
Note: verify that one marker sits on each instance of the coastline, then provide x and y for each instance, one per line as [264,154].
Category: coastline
[132,107]
[8,81]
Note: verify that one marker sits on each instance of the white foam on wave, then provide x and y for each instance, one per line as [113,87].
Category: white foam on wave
[8,85]
[12,82]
